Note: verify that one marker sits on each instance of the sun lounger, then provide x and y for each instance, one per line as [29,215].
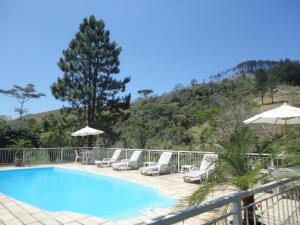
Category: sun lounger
[109,161]
[126,164]
[208,165]
[162,166]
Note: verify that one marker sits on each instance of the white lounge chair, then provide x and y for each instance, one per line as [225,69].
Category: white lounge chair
[88,156]
[207,166]
[126,164]
[109,161]
[78,156]
[162,166]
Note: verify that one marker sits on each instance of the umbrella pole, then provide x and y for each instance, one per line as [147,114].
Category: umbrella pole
[286,131]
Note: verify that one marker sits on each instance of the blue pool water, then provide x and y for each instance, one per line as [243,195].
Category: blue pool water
[56,189]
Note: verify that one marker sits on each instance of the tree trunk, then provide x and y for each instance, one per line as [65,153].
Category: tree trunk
[90,108]
[94,93]
[249,213]
[272,95]
[21,110]
[262,97]
[90,141]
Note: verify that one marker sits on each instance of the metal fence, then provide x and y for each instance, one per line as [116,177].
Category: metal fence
[31,156]
[272,203]
[275,203]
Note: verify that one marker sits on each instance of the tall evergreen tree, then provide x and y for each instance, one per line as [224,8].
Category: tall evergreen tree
[261,83]
[87,83]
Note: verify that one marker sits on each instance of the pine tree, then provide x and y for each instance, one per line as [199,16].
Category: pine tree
[88,66]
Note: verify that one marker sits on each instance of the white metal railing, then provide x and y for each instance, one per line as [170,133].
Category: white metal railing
[273,207]
[67,154]
[285,204]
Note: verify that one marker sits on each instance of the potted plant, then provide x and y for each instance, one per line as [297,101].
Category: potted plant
[19,158]
[18,147]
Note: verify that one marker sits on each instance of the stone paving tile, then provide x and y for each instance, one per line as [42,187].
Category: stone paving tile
[73,223]
[14,208]
[41,216]
[7,216]
[50,221]
[147,219]
[134,220]
[74,216]
[27,219]
[33,210]
[3,211]
[12,222]
[6,200]
[64,219]
[87,221]
[9,204]
[20,213]
[123,222]
[108,223]
[97,220]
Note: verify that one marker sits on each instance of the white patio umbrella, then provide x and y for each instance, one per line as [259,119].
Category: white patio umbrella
[284,114]
[86,131]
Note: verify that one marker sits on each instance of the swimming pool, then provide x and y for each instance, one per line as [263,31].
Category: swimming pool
[56,189]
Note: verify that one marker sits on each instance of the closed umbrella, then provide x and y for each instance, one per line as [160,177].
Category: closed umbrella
[285,114]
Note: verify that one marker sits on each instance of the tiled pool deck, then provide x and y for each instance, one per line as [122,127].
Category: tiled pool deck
[13,212]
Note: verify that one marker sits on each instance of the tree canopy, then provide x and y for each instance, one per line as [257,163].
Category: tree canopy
[145,92]
[22,94]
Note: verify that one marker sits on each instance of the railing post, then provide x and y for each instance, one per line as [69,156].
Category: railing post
[23,156]
[237,212]
[178,161]
[126,154]
[149,155]
[61,155]
[272,162]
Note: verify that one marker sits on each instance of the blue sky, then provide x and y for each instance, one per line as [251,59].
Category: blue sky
[164,42]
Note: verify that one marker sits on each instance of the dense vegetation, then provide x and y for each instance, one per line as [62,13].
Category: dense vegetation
[189,117]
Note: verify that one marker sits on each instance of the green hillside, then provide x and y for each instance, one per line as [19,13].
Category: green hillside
[191,117]
[40,116]
[174,119]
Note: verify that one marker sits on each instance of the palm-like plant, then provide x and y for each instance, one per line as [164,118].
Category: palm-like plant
[18,149]
[233,167]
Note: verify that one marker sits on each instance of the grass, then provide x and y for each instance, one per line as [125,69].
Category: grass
[285,93]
